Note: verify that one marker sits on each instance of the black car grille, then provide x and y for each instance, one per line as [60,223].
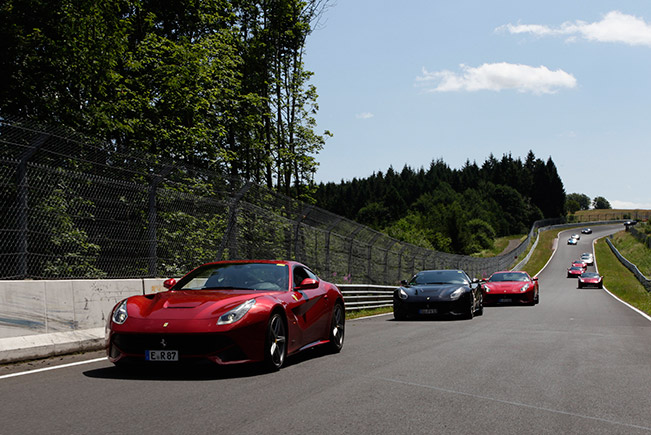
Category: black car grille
[186,344]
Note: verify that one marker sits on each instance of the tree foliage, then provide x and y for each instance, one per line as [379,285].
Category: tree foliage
[600,203]
[217,83]
[582,200]
[452,210]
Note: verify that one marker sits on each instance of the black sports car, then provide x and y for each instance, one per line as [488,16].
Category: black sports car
[434,292]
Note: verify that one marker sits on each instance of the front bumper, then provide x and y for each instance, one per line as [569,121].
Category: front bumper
[422,307]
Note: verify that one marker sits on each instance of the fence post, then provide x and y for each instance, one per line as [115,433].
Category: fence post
[351,239]
[153,216]
[230,235]
[386,261]
[369,256]
[327,244]
[297,226]
[23,202]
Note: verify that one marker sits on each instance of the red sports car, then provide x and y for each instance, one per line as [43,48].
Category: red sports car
[575,271]
[229,312]
[581,263]
[591,279]
[511,286]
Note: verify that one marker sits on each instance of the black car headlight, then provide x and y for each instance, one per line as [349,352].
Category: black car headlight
[402,294]
[456,294]
[120,314]
[236,313]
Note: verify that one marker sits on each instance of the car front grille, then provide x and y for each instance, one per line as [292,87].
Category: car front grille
[186,344]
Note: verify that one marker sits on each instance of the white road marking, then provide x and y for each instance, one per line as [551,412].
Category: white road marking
[29,372]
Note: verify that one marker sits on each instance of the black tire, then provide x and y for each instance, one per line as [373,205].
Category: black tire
[275,345]
[480,310]
[399,313]
[337,328]
[470,313]
[536,299]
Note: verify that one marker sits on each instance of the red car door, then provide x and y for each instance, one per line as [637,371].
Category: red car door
[311,306]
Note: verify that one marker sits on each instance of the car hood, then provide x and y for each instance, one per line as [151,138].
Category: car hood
[505,286]
[188,304]
[433,290]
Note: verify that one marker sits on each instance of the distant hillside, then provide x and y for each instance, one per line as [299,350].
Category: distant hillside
[610,214]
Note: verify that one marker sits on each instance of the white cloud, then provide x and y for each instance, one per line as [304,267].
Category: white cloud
[614,27]
[497,77]
[364,115]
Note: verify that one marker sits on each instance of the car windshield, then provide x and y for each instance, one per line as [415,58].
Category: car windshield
[237,276]
[439,277]
[508,276]
[590,275]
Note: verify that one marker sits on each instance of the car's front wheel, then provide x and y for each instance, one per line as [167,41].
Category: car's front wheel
[470,311]
[337,328]
[399,313]
[275,349]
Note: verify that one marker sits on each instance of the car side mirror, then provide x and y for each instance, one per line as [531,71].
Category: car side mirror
[535,278]
[308,283]
[403,282]
[169,283]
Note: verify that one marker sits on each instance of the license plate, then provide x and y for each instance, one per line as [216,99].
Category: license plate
[427,311]
[162,355]
[505,300]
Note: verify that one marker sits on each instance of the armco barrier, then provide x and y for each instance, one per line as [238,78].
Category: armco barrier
[366,296]
[630,266]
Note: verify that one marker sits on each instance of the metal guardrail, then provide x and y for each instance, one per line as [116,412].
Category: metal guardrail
[366,296]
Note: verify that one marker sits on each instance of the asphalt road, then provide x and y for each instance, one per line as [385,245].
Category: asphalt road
[579,362]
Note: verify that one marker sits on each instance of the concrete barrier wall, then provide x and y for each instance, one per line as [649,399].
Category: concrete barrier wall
[49,306]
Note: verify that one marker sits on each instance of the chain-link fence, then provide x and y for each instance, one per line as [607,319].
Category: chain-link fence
[75,208]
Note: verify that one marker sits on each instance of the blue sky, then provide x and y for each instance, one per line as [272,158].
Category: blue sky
[405,83]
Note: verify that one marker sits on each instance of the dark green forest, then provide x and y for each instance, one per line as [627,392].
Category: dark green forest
[452,210]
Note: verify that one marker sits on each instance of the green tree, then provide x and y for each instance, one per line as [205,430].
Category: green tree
[600,203]
[572,206]
[581,199]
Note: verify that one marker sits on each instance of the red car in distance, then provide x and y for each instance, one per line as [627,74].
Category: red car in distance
[511,287]
[580,263]
[591,279]
[229,312]
[575,271]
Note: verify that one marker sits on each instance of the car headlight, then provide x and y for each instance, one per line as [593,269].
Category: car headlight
[402,294]
[120,314]
[525,288]
[236,313]
[456,294]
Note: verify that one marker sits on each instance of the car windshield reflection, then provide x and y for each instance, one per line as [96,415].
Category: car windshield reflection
[433,277]
[237,276]
[498,277]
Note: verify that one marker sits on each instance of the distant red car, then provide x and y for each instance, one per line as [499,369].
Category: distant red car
[581,263]
[575,271]
[591,279]
[229,312]
[511,287]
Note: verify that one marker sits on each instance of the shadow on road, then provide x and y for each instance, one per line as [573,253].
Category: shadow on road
[195,371]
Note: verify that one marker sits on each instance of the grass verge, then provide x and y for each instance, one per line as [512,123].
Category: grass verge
[366,313]
[619,280]
[634,251]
